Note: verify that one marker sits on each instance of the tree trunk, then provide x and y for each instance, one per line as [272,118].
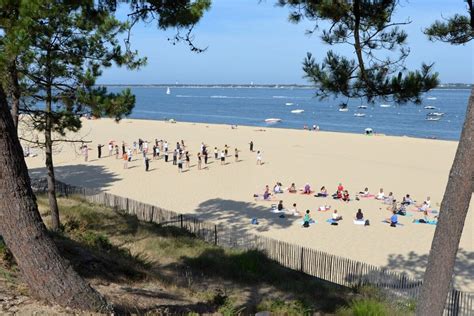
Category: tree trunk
[48,143]
[454,208]
[15,91]
[47,274]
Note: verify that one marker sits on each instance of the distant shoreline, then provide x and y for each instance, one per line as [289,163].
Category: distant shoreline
[260,86]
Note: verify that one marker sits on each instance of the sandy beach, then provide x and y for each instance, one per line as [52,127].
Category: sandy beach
[219,193]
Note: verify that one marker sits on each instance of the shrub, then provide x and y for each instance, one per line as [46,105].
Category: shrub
[280,307]
[95,240]
[364,307]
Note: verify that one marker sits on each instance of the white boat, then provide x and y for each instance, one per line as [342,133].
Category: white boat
[359,114]
[168,91]
[429,107]
[297,111]
[362,107]
[272,120]
[435,114]
[289,103]
[385,105]
[431,98]
[343,110]
[433,118]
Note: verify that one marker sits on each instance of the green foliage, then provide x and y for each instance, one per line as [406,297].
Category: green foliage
[365,307]
[367,26]
[280,307]
[5,255]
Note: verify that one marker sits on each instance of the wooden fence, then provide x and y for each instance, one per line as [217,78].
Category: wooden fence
[335,269]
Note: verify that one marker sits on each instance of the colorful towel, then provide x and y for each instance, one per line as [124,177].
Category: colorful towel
[387,222]
[361,222]
[432,222]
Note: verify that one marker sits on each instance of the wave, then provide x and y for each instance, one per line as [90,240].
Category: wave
[232,97]
[190,96]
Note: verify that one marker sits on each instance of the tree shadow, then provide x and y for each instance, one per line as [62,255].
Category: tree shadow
[238,215]
[416,265]
[89,176]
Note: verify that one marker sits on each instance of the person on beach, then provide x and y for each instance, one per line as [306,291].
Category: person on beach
[116,152]
[294,210]
[307,189]
[292,188]
[388,199]
[340,187]
[186,155]
[380,195]
[199,160]
[123,148]
[178,146]
[135,148]
[251,146]
[364,193]
[165,146]
[336,217]
[145,147]
[222,158]
[205,154]
[111,148]
[407,200]
[259,158]
[337,195]
[129,154]
[324,208]
[216,153]
[140,145]
[226,150]
[182,145]
[425,206]
[175,157]
[166,156]
[180,163]
[359,215]
[322,192]
[393,220]
[85,152]
[307,219]
[236,155]
[345,196]
[125,160]
[426,219]
[280,206]
[99,150]
[147,164]
[277,188]
[266,193]
[157,152]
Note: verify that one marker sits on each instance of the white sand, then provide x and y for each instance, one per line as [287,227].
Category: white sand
[224,193]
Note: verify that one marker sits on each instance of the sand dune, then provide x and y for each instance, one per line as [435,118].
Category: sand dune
[225,193]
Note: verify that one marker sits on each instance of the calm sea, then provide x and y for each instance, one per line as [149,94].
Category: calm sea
[251,106]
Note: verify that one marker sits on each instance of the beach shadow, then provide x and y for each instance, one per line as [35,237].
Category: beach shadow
[89,176]
[238,215]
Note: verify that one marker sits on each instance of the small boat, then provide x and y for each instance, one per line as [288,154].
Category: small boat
[431,98]
[429,107]
[297,111]
[272,120]
[289,103]
[168,91]
[385,105]
[359,114]
[362,107]
[171,121]
[435,114]
[433,118]
[343,110]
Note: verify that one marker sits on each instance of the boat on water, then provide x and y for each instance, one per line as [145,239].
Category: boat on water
[168,91]
[297,111]
[359,114]
[431,98]
[385,105]
[362,107]
[433,118]
[343,110]
[429,107]
[289,103]
[435,114]
[272,120]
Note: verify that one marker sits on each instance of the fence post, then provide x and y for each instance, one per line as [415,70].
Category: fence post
[215,235]
[181,219]
[302,259]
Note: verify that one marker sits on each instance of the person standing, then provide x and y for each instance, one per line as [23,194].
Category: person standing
[116,152]
[175,157]
[166,156]
[99,150]
[251,146]
[236,155]
[123,148]
[199,160]
[111,148]
[180,163]
[147,163]
[205,156]
[226,150]
[216,153]
[85,152]
[259,158]
[186,154]
[125,160]
[222,158]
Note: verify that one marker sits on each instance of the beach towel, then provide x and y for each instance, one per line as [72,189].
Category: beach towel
[432,222]
[310,192]
[387,222]
[275,211]
[331,221]
[369,196]
[325,210]
[357,222]
[260,198]
[310,223]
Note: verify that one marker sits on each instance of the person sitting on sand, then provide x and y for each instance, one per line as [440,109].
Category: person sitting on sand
[402,210]
[337,195]
[322,192]
[426,218]
[388,199]
[277,188]
[294,210]
[380,195]
[324,208]
[340,187]
[425,205]
[307,219]
[336,217]
[345,196]
[364,193]
[292,188]
[393,220]
[359,215]
[266,194]
[307,189]
[407,200]
[280,206]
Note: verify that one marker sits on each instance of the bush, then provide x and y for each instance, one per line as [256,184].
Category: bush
[364,307]
[280,307]
[95,240]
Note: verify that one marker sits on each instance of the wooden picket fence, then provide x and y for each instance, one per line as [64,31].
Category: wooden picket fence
[335,269]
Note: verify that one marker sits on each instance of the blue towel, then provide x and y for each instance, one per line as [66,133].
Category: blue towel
[417,221]
[310,223]
[398,224]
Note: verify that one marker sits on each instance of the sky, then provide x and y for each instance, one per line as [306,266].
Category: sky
[251,41]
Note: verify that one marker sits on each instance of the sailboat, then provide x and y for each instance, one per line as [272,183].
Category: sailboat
[168,91]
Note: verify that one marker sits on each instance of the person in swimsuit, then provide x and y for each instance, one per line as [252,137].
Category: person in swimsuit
[322,192]
[186,154]
[292,188]
[222,158]
[199,160]
[236,154]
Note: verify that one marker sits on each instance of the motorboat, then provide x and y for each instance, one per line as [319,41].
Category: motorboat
[362,107]
[289,103]
[297,111]
[359,114]
[433,118]
[429,107]
[435,114]
[343,110]
[431,98]
[272,120]
[168,91]
[385,105]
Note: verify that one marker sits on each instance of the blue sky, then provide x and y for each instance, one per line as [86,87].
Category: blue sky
[251,41]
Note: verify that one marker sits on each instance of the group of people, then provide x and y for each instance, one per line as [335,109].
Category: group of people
[397,209]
